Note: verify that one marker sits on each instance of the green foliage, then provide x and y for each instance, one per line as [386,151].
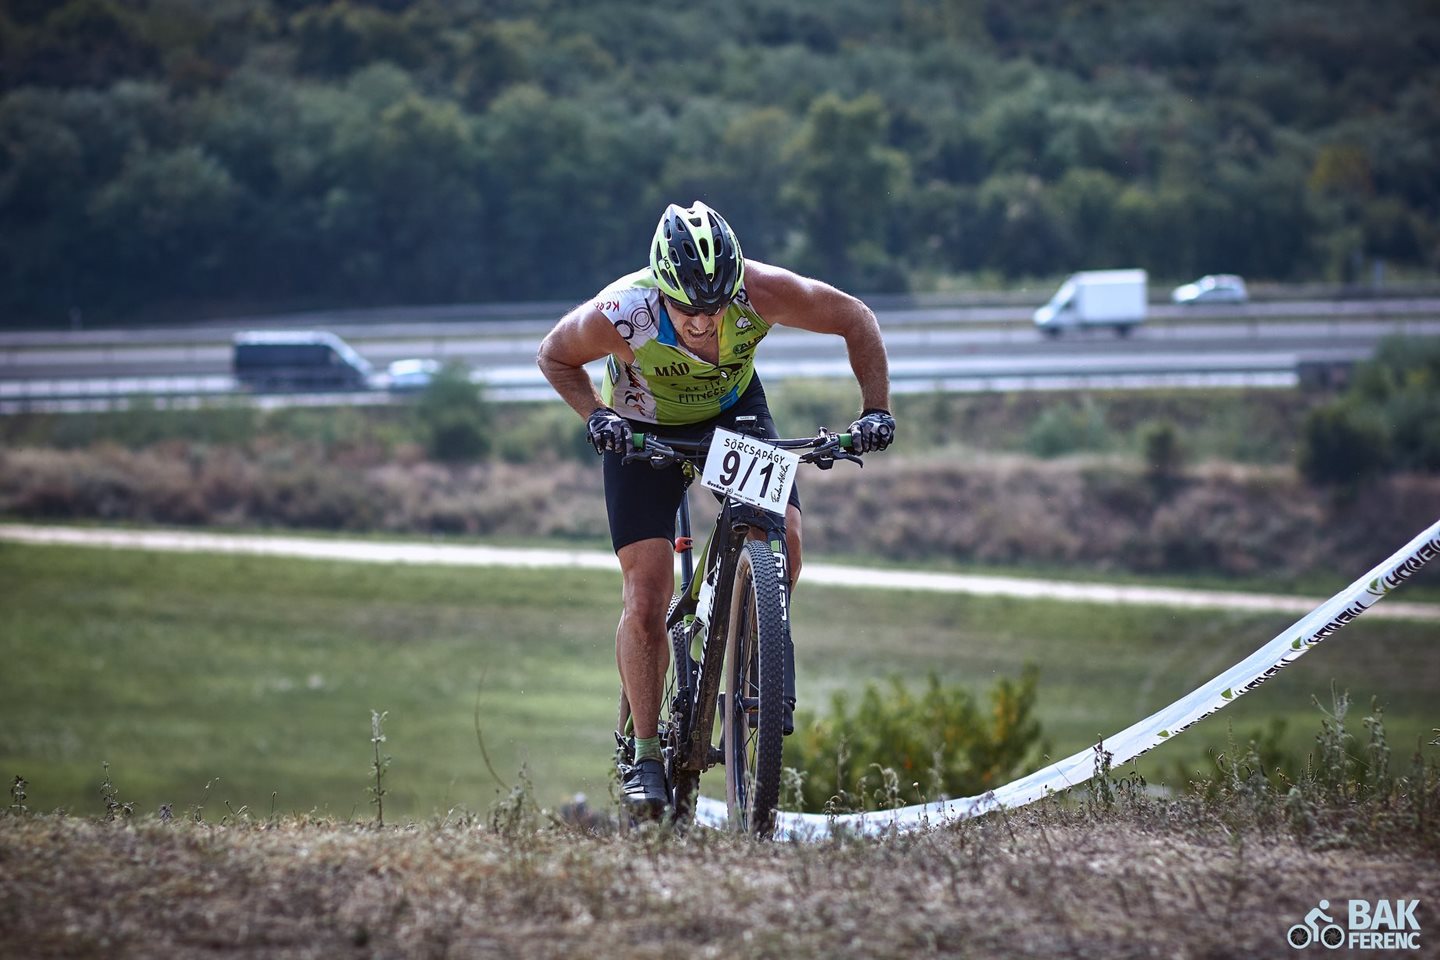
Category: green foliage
[1160,447]
[897,748]
[799,407]
[348,153]
[1389,418]
[454,416]
[548,431]
[844,186]
[1069,428]
[1342,445]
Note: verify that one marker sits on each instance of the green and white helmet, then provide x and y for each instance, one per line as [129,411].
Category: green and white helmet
[695,257]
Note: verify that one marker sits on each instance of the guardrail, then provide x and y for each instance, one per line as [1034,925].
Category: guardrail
[524,319]
[517,384]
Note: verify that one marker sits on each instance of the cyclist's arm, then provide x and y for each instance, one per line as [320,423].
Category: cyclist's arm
[785,298]
[582,335]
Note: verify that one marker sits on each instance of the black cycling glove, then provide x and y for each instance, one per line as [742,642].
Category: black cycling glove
[607,430]
[875,430]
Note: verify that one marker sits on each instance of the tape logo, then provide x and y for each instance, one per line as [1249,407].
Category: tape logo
[1377,925]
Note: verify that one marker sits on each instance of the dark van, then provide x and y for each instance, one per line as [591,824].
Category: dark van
[272,360]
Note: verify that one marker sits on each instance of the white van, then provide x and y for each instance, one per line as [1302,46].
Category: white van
[1096,298]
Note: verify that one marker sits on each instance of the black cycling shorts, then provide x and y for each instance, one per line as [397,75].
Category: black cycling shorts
[642,501]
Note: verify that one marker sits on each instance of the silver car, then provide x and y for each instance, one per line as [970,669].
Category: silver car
[413,374]
[1215,288]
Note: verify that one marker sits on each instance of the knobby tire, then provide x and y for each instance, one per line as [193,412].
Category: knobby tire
[754,709]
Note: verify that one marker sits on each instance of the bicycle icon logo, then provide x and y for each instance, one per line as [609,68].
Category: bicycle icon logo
[1331,935]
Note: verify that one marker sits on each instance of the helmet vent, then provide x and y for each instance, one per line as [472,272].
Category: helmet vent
[696,258]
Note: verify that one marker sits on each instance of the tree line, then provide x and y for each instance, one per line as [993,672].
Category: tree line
[245,154]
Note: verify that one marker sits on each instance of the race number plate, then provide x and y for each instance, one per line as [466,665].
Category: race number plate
[750,470]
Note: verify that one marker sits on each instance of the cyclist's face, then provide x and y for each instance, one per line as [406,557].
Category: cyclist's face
[695,321]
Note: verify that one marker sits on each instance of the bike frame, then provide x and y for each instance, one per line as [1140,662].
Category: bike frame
[711,595]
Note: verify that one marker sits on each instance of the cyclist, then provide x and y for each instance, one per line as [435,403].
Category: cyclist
[1313,918]
[680,336]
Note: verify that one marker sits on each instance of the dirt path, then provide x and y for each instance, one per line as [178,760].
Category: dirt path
[818,574]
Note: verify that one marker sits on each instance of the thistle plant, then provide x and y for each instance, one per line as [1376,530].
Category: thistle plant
[110,795]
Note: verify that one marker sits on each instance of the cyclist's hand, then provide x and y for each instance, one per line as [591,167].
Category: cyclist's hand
[875,430]
[607,430]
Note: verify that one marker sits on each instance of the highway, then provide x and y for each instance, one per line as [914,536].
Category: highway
[931,348]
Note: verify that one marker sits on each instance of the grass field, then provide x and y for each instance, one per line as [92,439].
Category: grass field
[256,676]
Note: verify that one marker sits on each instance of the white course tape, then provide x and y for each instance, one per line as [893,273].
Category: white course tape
[1131,742]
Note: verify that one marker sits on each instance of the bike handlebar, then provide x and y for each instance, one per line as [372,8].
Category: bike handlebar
[824,449]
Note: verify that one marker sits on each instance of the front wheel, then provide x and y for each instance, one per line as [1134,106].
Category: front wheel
[754,707]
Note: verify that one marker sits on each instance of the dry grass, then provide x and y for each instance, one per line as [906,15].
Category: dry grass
[1090,513]
[1141,878]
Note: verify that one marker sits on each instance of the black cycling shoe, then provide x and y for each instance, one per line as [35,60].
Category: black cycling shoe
[644,790]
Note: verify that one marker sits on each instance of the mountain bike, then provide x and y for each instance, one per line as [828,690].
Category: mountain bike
[732,658]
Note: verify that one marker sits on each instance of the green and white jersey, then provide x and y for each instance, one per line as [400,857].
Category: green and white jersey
[667,384]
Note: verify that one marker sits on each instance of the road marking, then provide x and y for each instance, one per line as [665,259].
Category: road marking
[815,574]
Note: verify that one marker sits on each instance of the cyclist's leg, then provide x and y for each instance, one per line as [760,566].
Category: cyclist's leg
[641,504]
[792,542]
[642,648]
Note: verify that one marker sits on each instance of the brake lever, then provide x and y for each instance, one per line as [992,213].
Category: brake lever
[657,454]
[825,455]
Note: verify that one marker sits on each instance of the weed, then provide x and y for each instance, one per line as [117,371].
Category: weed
[1330,770]
[378,765]
[1377,752]
[1101,789]
[197,810]
[17,795]
[886,795]
[792,788]
[516,816]
[110,796]
[1341,799]
[480,738]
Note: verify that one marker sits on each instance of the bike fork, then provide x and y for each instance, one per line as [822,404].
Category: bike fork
[782,561]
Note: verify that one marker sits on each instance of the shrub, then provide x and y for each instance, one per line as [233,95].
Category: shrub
[546,432]
[454,417]
[1342,445]
[1160,444]
[897,748]
[1068,429]
[1389,418]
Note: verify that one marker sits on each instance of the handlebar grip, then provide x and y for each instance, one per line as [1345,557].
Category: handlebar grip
[637,440]
[847,441]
